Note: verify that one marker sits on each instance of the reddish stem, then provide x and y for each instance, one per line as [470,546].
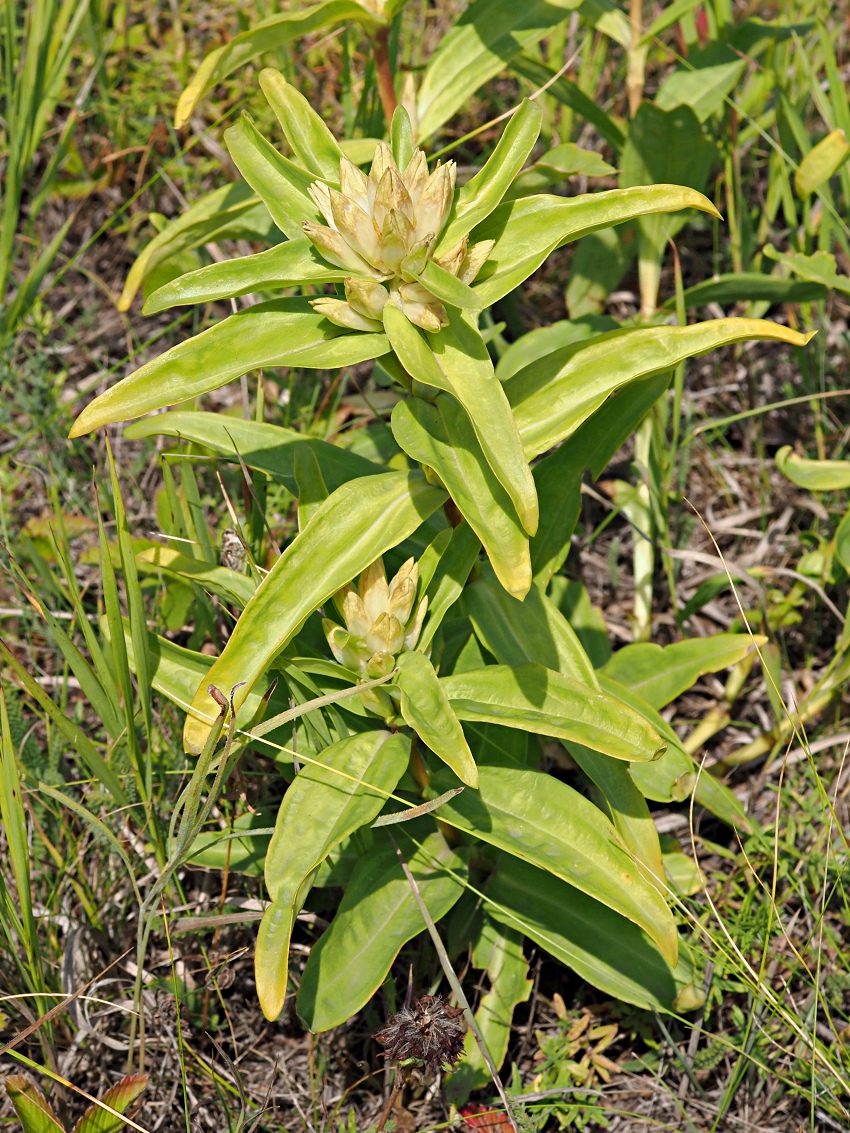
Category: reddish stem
[386,87]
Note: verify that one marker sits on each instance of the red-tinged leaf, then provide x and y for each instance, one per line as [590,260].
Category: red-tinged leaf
[96,1119]
[32,1107]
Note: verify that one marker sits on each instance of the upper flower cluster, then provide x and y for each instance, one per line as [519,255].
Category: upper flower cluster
[384,228]
[379,621]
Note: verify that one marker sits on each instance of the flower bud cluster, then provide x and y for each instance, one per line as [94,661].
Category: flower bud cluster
[379,623]
[384,228]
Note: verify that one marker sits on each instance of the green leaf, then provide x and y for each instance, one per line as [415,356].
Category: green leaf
[606,949]
[268,448]
[842,541]
[600,262]
[312,142]
[821,163]
[119,1097]
[32,1107]
[592,446]
[312,490]
[222,211]
[401,137]
[440,436]
[267,35]
[554,395]
[659,674]
[818,268]
[749,287]
[176,672]
[456,361]
[449,579]
[536,817]
[219,580]
[284,332]
[488,35]
[535,699]
[815,475]
[425,708]
[704,89]
[528,230]
[666,147]
[556,165]
[448,287]
[570,94]
[483,192]
[281,184]
[668,17]
[378,914]
[624,804]
[286,265]
[325,804]
[358,522]
[244,853]
[532,630]
[499,952]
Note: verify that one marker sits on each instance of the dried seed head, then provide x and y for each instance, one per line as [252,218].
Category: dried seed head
[431,1032]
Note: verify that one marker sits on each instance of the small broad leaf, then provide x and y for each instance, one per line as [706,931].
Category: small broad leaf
[535,699]
[554,395]
[483,192]
[426,708]
[267,35]
[378,914]
[530,229]
[354,526]
[440,436]
[556,165]
[604,948]
[449,579]
[816,475]
[541,820]
[284,332]
[32,1107]
[312,142]
[281,184]
[268,448]
[448,287]
[704,89]
[818,268]
[660,674]
[821,163]
[326,803]
[286,265]
[401,137]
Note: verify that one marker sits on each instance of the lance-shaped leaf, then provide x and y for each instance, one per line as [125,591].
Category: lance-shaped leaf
[821,267]
[816,475]
[499,952]
[281,184]
[481,43]
[312,142]
[659,674]
[528,230]
[268,448]
[233,210]
[624,805]
[552,396]
[284,332]
[267,35]
[483,192]
[32,1107]
[425,708]
[286,265]
[354,526]
[325,804]
[119,1097]
[378,914]
[536,817]
[220,580]
[449,579]
[456,361]
[535,699]
[749,287]
[606,949]
[532,630]
[440,436]
[447,287]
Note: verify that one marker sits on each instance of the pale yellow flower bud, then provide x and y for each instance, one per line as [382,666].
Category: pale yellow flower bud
[357,227]
[355,615]
[415,175]
[401,599]
[342,314]
[366,297]
[374,590]
[474,260]
[335,249]
[434,204]
[386,635]
[451,260]
[379,664]
[413,631]
[353,183]
[420,306]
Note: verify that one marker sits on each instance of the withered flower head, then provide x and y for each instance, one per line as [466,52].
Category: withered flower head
[431,1032]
